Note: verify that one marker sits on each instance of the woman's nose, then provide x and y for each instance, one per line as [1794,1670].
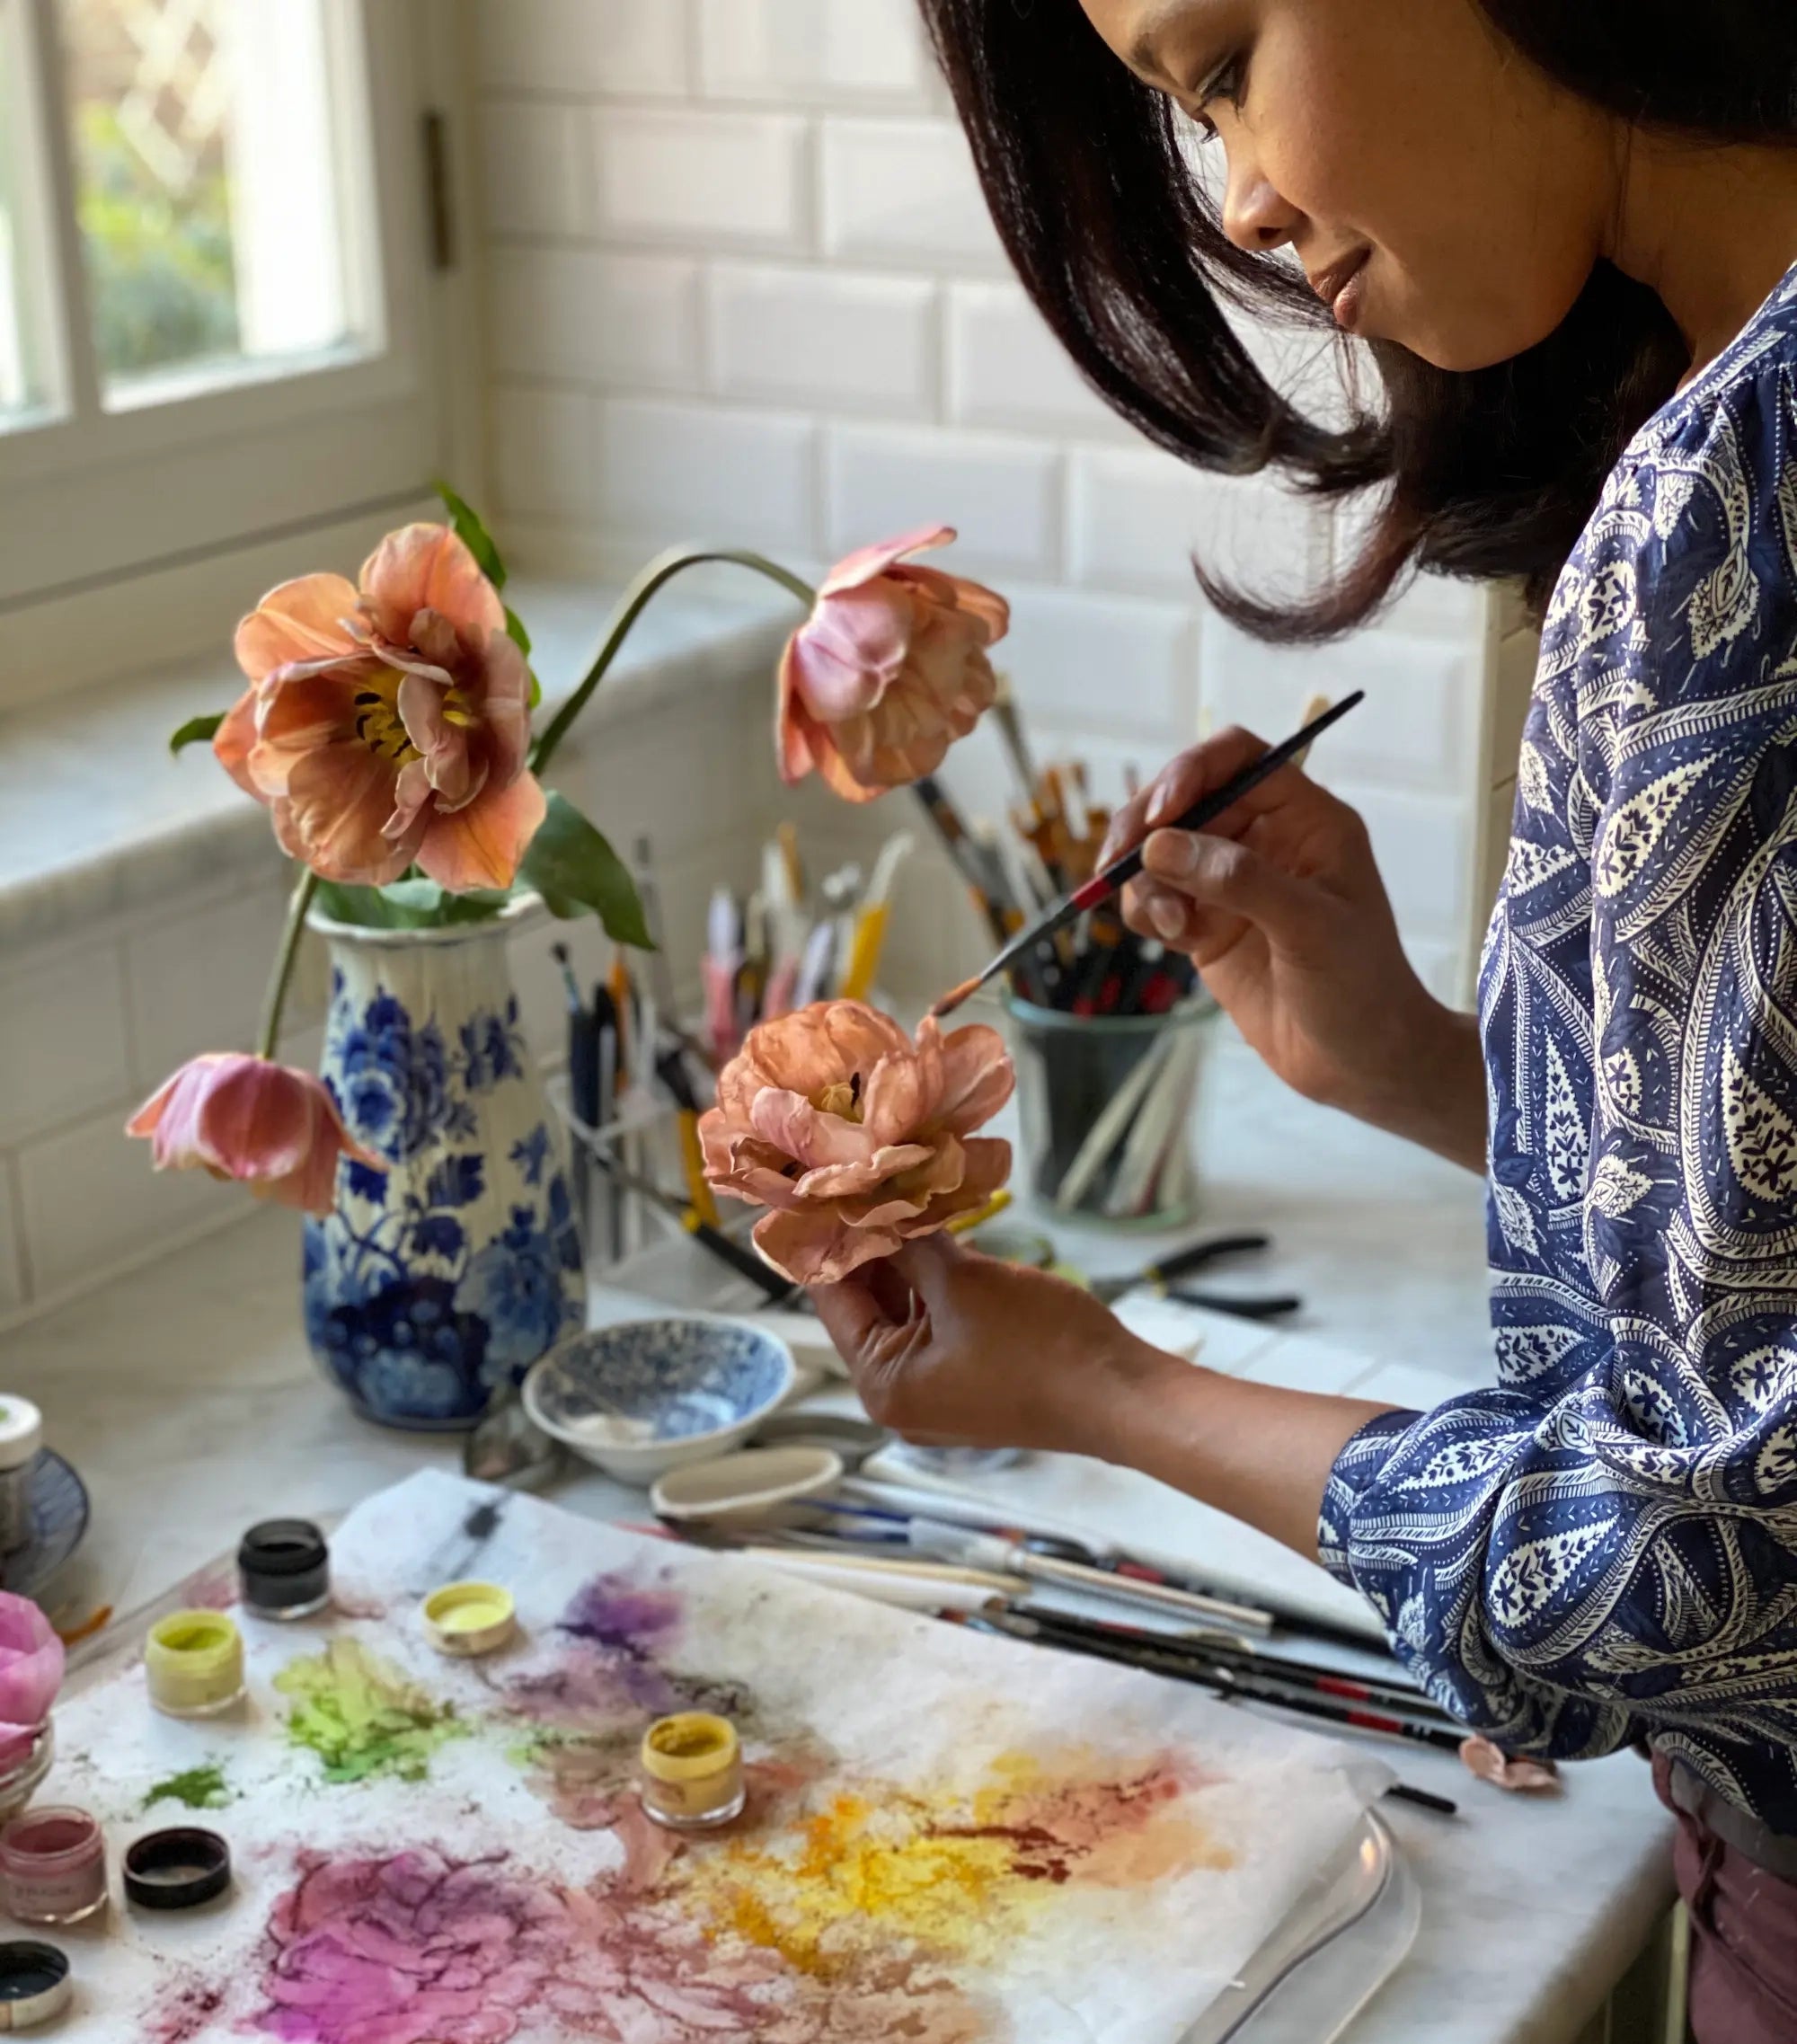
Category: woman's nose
[1255,217]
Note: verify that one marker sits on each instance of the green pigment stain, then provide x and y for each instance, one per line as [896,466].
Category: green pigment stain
[201,1788]
[364,1717]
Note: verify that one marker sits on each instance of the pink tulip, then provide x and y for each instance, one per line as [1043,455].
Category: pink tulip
[388,726]
[887,671]
[30,1674]
[272,1128]
[857,1138]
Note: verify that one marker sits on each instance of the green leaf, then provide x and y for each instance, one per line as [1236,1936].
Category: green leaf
[570,865]
[408,905]
[196,730]
[474,536]
[521,638]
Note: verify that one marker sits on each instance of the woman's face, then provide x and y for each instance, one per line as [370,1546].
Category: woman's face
[1439,191]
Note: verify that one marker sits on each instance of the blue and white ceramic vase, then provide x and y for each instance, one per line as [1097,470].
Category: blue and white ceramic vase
[439,1281]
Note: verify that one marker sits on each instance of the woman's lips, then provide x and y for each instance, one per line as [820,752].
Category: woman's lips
[1343,288]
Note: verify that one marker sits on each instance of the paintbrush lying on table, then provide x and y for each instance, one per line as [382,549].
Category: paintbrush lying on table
[1112,881]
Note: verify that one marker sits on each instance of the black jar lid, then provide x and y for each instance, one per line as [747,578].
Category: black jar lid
[177,1869]
[281,1548]
[35,1983]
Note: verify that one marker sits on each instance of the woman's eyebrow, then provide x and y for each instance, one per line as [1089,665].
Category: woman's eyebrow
[1145,51]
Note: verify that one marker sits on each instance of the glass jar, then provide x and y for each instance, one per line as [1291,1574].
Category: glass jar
[1107,1103]
[53,1866]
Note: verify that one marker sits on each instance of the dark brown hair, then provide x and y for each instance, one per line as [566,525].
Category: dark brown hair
[1484,475]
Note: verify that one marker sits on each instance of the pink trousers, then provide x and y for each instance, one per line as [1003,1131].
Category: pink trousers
[1743,1927]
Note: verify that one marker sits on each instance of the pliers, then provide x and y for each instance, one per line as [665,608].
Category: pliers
[1160,1278]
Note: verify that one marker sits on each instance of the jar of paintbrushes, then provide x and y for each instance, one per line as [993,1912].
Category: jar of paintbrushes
[1107,1103]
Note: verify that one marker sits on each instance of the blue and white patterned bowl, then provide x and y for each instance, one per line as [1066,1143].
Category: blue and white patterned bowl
[644,1396]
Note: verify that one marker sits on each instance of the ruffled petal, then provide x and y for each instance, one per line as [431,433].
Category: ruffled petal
[302,619]
[481,847]
[338,801]
[977,1077]
[814,1248]
[427,567]
[793,1125]
[234,738]
[855,569]
[853,1181]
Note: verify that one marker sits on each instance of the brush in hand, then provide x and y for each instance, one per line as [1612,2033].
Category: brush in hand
[1117,876]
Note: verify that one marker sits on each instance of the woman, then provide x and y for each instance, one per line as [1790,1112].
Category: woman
[1565,233]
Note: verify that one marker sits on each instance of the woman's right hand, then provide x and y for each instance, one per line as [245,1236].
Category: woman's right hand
[1281,907]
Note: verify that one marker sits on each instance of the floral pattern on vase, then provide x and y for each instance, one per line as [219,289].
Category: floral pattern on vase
[439,1281]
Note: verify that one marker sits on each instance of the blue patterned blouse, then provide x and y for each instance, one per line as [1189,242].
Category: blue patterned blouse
[1603,1548]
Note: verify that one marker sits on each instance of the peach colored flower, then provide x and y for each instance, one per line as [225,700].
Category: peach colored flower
[388,726]
[887,671]
[857,1138]
[273,1128]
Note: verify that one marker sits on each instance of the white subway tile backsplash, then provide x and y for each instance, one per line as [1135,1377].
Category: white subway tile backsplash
[535,167]
[545,453]
[196,982]
[905,191]
[702,176]
[819,337]
[579,316]
[584,45]
[676,472]
[1005,368]
[89,1197]
[1002,495]
[11,1267]
[1103,665]
[62,1037]
[813,52]
[1416,729]
[1423,846]
[1136,518]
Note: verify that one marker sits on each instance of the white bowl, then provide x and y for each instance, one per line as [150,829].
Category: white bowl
[645,1397]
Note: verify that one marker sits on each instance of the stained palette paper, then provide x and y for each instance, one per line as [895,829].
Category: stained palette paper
[950,1839]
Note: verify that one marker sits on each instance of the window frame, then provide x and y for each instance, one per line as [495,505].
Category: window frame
[130,503]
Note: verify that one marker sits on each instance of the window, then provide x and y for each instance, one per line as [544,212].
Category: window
[216,295]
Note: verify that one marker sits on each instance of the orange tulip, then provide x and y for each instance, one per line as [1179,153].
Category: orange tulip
[388,726]
[268,1127]
[888,670]
[855,1137]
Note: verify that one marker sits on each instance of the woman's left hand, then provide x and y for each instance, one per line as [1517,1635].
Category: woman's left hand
[948,1346]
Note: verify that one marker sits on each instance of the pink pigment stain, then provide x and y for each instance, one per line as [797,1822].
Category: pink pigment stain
[418,1949]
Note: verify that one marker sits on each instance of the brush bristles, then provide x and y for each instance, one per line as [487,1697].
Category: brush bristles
[949,1002]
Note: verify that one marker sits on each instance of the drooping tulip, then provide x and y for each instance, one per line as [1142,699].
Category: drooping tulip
[888,670]
[268,1127]
[388,725]
[854,1137]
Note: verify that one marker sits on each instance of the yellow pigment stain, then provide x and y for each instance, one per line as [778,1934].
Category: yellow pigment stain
[956,1875]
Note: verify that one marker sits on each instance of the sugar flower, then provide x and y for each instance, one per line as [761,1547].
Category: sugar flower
[1511,1771]
[273,1128]
[388,725]
[30,1674]
[854,1137]
[887,671]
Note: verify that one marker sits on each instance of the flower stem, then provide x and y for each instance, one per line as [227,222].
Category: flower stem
[635,601]
[284,962]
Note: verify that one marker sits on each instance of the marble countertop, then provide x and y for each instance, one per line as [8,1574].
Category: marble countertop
[187,1399]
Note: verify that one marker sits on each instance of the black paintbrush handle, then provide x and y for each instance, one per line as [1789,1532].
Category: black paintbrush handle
[1117,876]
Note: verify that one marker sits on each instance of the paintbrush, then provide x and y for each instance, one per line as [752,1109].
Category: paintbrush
[1117,875]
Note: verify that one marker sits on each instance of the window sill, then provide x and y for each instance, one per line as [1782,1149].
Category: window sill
[96,818]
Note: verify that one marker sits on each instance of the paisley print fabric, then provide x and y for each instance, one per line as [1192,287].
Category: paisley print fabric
[1603,1548]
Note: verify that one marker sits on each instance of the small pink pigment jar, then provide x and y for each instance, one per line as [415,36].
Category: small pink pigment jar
[52,1866]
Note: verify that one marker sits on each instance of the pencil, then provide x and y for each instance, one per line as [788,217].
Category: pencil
[1117,875]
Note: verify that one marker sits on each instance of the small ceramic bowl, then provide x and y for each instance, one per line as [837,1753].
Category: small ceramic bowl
[647,1395]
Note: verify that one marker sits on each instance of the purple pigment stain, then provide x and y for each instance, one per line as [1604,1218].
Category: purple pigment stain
[623,1616]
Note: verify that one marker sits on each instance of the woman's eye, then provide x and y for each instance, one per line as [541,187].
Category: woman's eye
[1229,83]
